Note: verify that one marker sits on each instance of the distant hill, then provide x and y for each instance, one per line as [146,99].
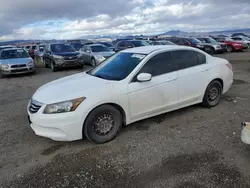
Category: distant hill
[169,33]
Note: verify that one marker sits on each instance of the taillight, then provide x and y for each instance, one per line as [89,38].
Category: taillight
[229,65]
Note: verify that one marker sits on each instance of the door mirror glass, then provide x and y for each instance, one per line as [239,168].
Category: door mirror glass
[144,77]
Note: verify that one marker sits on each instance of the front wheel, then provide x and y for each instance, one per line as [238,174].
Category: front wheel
[212,94]
[103,124]
[229,48]
[209,50]
[53,68]
[93,62]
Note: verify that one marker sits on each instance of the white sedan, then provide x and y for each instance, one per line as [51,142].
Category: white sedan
[131,85]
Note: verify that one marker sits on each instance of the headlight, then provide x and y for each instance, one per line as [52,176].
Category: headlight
[4,66]
[31,64]
[58,57]
[100,58]
[61,107]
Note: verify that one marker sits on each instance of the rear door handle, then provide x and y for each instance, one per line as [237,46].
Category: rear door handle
[204,70]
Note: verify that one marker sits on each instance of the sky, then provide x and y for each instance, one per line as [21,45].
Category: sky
[68,19]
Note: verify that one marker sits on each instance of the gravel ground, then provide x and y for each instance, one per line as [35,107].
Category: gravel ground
[194,147]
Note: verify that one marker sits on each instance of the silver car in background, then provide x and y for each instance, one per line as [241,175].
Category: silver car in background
[15,61]
[94,54]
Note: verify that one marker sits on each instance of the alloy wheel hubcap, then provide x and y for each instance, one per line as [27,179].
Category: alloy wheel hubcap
[213,94]
[104,124]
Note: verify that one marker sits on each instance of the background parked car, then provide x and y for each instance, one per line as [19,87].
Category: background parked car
[211,46]
[124,44]
[15,61]
[38,54]
[31,51]
[77,45]
[242,39]
[61,55]
[110,45]
[6,47]
[234,46]
[162,42]
[193,42]
[94,54]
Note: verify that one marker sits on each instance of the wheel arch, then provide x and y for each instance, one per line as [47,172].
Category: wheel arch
[115,105]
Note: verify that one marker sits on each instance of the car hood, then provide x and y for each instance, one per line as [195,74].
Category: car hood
[211,44]
[68,88]
[16,61]
[67,53]
[104,54]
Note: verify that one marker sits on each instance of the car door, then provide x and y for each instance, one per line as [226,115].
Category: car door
[86,54]
[193,75]
[158,95]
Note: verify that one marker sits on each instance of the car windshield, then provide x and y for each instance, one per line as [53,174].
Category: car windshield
[138,43]
[245,38]
[99,48]
[58,48]
[107,44]
[194,40]
[209,40]
[166,43]
[13,54]
[77,46]
[118,66]
[33,47]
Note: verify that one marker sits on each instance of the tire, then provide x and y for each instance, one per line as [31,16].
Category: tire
[100,134]
[230,48]
[45,63]
[52,66]
[212,94]
[210,50]
[2,75]
[93,62]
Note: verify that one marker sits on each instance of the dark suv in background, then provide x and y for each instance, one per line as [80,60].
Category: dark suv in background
[124,44]
[193,42]
[61,55]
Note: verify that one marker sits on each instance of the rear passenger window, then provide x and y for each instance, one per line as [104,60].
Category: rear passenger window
[159,64]
[187,58]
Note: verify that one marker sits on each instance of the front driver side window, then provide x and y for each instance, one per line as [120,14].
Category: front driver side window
[159,64]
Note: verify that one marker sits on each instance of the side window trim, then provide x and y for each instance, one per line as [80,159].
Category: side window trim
[196,58]
[134,78]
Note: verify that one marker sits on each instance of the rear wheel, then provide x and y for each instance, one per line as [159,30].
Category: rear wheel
[229,48]
[103,124]
[52,66]
[209,50]
[93,62]
[212,94]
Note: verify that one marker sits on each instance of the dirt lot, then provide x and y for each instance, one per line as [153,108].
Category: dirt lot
[193,147]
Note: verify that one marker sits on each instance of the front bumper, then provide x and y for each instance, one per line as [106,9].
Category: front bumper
[59,127]
[68,63]
[22,70]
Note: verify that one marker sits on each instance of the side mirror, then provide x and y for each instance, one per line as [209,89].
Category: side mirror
[144,77]
[88,51]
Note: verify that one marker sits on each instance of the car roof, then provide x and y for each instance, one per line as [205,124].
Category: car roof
[12,49]
[7,46]
[150,49]
[95,45]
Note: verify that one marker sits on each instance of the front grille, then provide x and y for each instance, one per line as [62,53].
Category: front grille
[70,58]
[223,45]
[17,66]
[34,106]
[19,70]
